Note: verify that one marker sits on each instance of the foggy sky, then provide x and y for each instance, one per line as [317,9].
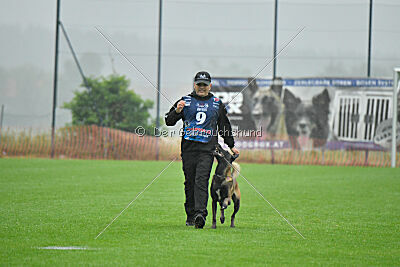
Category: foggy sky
[226,38]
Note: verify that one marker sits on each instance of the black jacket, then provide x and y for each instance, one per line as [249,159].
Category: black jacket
[223,124]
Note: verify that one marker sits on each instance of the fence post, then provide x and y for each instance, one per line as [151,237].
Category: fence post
[396,86]
[1,123]
[1,117]
[366,157]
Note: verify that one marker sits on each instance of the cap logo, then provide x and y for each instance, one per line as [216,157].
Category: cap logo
[203,76]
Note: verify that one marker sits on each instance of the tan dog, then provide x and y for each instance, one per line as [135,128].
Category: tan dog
[224,186]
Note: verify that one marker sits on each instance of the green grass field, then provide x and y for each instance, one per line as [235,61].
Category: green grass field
[349,216]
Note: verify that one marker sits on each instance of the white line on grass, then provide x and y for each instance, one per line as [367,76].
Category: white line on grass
[66,248]
[135,198]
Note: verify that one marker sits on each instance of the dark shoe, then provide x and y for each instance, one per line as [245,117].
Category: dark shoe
[199,221]
[189,222]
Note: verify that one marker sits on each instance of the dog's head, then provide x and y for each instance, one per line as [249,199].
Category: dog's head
[266,106]
[222,187]
[309,120]
[266,109]
[306,120]
[223,156]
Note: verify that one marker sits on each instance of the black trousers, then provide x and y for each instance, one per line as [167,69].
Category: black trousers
[197,169]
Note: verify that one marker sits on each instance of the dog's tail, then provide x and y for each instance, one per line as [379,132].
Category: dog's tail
[236,170]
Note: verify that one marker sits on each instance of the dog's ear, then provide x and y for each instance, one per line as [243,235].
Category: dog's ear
[218,145]
[252,85]
[218,150]
[322,100]
[233,157]
[291,102]
[277,86]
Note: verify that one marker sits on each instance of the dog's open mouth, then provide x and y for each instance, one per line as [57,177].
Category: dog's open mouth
[304,132]
[305,142]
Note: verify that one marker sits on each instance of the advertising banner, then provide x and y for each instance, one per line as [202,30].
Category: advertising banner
[308,113]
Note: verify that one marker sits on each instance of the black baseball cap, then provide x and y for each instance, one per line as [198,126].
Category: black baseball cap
[202,77]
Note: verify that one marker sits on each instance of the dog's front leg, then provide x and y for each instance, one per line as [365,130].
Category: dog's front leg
[214,214]
[222,219]
[236,206]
